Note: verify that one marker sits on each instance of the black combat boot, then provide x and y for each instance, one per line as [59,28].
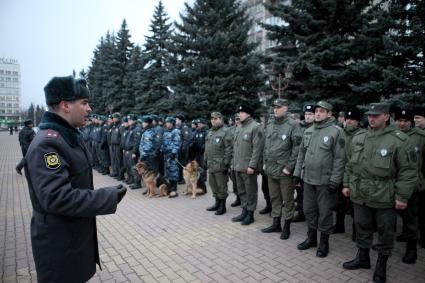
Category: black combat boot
[249,218]
[267,209]
[411,254]
[221,207]
[237,202]
[286,232]
[275,227]
[380,274]
[135,186]
[362,260]
[299,217]
[241,216]
[323,249]
[215,206]
[339,226]
[310,242]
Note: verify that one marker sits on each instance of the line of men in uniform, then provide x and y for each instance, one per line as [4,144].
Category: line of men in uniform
[377,170]
[117,143]
[328,165]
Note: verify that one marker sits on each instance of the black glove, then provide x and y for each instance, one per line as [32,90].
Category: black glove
[296,179]
[333,187]
[121,192]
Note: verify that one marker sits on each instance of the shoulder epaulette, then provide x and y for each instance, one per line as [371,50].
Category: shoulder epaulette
[51,134]
[402,136]
[360,132]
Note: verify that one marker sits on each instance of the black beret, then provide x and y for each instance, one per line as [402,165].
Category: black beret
[65,88]
[404,113]
[354,114]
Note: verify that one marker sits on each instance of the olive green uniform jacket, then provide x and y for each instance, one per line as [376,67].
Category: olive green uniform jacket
[381,168]
[283,138]
[322,154]
[248,144]
[417,141]
[218,149]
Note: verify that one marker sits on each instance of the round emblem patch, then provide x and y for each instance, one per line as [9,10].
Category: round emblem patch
[384,152]
[325,139]
[284,137]
[52,160]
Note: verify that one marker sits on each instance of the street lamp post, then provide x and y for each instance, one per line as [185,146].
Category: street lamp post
[282,82]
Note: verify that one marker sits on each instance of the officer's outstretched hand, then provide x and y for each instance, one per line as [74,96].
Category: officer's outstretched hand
[121,192]
[400,205]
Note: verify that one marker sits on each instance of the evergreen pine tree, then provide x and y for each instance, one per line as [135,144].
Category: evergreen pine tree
[119,68]
[338,50]
[133,78]
[217,68]
[154,95]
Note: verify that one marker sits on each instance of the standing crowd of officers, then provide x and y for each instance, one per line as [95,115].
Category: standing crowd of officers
[311,169]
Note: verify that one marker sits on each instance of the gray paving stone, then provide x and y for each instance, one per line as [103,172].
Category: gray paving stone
[164,240]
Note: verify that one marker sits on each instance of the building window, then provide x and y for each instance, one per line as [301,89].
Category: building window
[8,72]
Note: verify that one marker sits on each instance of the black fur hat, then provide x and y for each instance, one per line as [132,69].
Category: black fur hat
[65,88]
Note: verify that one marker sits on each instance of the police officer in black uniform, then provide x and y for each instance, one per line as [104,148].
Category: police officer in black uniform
[60,180]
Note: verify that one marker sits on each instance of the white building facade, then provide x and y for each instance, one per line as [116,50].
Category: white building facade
[10,91]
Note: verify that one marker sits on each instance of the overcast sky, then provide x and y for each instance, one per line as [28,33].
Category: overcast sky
[53,37]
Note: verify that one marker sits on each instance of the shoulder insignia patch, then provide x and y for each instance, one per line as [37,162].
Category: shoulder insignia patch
[400,135]
[52,134]
[52,160]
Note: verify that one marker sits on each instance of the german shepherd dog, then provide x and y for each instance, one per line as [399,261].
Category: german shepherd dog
[191,175]
[152,180]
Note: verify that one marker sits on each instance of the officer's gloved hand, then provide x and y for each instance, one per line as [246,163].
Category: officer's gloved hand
[121,192]
[333,187]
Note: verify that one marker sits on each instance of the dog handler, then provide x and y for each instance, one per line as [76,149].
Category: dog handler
[60,180]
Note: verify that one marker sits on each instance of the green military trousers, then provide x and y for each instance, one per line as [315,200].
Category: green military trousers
[367,219]
[218,184]
[247,190]
[318,204]
[282,191]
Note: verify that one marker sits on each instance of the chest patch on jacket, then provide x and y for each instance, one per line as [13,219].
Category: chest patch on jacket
[52,160]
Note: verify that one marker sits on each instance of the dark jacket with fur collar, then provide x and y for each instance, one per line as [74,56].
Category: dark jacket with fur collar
[63,226]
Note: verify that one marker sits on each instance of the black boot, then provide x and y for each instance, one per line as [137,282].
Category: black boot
[299,217]
[221,207]
[362,260]
[237,202]
[411,254]
[310,242]
[267,209]
[135,186]
[339,226]
[323,249]
[275,227]
[380,274]
[286,232]
[249,218]
[241,216]
[215,206]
